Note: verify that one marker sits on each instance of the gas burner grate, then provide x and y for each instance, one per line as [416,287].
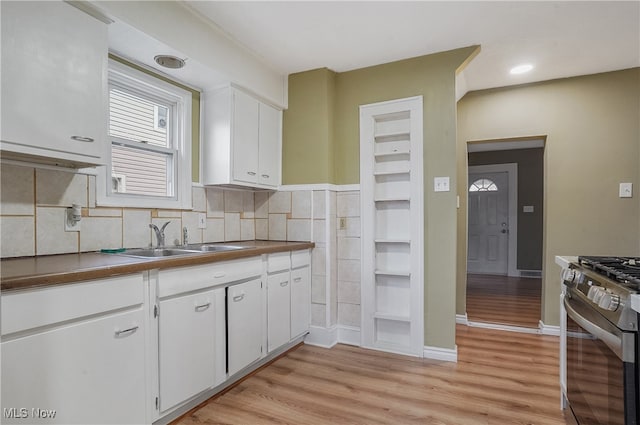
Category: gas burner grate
[623,269]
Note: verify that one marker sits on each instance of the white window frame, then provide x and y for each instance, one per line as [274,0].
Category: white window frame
[124,76]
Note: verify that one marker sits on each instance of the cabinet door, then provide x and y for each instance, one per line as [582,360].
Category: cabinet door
[245,137]
[186,346]
[270,151]
[300,301]
[88,372]
[54,64]
[278,310]
[244,324]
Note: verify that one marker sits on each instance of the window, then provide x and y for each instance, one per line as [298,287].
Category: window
[149,142]
[483,185]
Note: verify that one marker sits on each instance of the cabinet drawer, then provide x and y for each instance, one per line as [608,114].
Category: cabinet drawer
[300,258]
[278,261]
[191,278]
[41,307]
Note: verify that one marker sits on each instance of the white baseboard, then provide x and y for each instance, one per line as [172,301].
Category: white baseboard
[439,353]
[349,335]
[322,337]
[462,319]
[499,327]
[548,329]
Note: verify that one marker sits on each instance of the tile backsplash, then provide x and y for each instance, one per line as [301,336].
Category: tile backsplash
[32,215]
[33,203]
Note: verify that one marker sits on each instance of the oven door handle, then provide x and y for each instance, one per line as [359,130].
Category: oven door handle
[614,342]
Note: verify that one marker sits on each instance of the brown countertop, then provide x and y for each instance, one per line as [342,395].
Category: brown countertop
[30,272]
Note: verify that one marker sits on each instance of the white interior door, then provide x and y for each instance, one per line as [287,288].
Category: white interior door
[488,228]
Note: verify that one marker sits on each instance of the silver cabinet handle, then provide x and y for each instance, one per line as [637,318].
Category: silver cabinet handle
[297,279]
[203,306]
[238,298]
[265,176]
[82,139]
[251,173]
[219,275]
[126,331]
[285,283]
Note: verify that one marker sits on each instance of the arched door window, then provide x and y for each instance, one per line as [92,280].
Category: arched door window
[483,185]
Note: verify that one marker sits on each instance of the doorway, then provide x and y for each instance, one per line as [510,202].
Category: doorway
[504,234]
[492,219]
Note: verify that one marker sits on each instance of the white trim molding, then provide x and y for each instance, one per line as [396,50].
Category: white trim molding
[462,319]
[548,329]
[322,337]
[349,335]
[498,327]
[439,353]
[320,186]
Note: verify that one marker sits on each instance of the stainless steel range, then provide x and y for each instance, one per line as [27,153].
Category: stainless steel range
[602,340]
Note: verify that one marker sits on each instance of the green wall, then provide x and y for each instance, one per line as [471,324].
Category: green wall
[195,114]
[307,134]
[593,144]
[431,76]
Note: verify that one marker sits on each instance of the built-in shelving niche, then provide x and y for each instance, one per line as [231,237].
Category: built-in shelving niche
[391,197]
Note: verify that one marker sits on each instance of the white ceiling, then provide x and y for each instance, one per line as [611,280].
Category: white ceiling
[560,39]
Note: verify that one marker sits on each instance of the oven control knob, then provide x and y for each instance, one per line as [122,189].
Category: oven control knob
[609,301]
[595,292]
[568,275]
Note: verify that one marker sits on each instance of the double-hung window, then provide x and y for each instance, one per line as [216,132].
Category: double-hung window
[149,142]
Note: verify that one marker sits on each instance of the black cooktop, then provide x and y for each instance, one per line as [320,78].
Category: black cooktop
[625,270]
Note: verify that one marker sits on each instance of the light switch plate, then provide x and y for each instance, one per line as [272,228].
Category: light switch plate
[626,190]
[441,184]
[202,221]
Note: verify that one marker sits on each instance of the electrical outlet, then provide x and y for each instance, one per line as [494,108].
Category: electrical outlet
[202,221]
[343,223]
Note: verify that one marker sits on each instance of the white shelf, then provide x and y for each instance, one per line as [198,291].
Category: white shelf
[394,317]
[407,199]
[387,154]
[389,173]
[393,273]
[403,241]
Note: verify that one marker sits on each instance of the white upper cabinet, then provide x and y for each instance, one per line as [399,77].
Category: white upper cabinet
[242,143]
[54,96]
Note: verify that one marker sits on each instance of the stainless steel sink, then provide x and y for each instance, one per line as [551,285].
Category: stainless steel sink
[214,247]
[158,252]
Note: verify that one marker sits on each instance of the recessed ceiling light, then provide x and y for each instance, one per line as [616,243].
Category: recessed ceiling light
[521,69]
[169,61]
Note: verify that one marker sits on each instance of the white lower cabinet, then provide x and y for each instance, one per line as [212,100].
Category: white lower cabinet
[244,325]
[278,309]
[137,348]
[191,326]
[75,354]
[300,301]
[187,345]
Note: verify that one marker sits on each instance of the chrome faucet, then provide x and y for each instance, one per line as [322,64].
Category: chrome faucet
[159,233]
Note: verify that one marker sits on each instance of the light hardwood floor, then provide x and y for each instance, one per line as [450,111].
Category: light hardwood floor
[501,378]
[504,300]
